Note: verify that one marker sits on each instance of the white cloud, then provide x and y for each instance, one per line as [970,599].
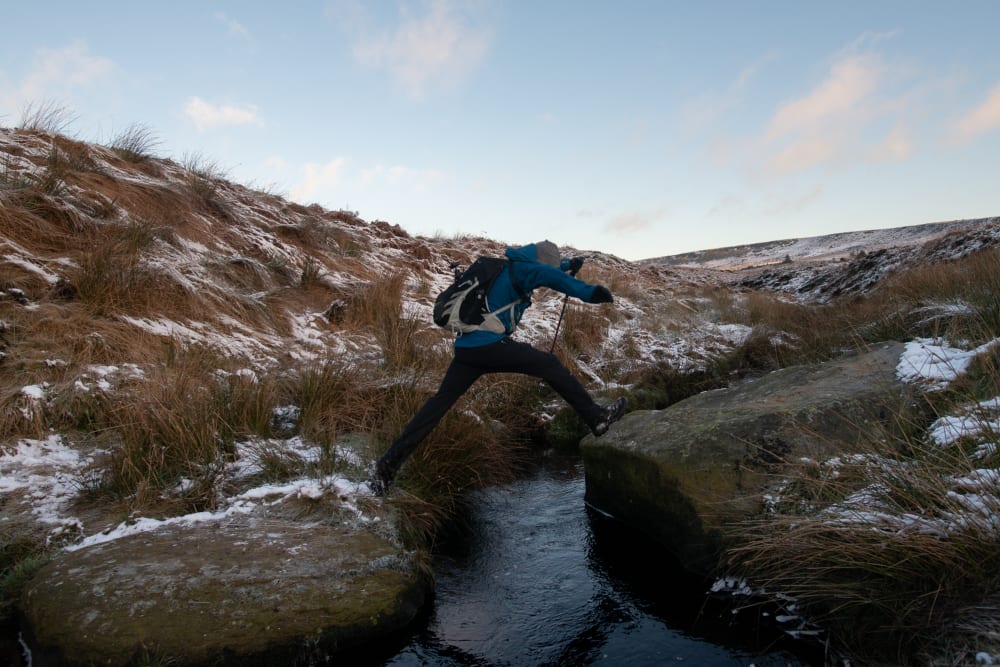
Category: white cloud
[233,26]
[57,73]
[981,120]
[835,101]
[896,146]
[438,45]
[633,221]
[859,112]
[206,115]
[803,154]
[318,178]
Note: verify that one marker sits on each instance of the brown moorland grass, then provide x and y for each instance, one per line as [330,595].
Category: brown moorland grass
[46,117]
[136,143]
[584,328]
[172,432]
[892,585]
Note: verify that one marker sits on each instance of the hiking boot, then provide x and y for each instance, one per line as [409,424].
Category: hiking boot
[612,413]
[378,479]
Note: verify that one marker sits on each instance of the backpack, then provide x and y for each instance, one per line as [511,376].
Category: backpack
[463,306]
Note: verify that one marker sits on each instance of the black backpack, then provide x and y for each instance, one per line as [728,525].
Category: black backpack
[463,306]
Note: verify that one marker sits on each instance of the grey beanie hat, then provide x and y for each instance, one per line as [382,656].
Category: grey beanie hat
[547,252]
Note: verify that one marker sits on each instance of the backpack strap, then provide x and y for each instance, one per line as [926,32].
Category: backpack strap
[513,280]
[492,321]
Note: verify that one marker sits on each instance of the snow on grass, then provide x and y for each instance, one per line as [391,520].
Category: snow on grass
[975,496]
[28,265]
[976,422]
[933,363]
[99,377]
[44,477]
[35,392]
[145,524]
[254,346]
[975,508]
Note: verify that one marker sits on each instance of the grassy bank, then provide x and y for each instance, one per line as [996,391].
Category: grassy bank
[893,552]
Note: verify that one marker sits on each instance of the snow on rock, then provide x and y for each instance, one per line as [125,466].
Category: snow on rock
[45,476]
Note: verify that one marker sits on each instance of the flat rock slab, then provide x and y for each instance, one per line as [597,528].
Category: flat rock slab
[249,592]
[683,473]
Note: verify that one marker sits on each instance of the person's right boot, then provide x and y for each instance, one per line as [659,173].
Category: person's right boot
[612,413]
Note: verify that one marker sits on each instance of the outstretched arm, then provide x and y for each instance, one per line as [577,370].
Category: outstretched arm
[543,275]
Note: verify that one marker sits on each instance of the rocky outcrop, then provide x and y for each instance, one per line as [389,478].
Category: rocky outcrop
[249,592]
[682,474]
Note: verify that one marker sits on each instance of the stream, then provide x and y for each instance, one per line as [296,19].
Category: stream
[535,577]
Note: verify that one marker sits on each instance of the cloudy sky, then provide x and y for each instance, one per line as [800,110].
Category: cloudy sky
[640,128]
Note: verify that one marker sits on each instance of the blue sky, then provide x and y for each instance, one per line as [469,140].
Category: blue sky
[639,128]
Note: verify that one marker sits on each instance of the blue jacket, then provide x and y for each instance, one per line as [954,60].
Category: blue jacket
[527,273]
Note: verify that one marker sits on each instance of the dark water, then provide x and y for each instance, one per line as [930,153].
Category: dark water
[536,578]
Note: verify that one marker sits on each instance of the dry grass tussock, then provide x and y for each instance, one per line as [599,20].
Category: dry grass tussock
[874,550]
[46,117]
[168,434]
[583,330]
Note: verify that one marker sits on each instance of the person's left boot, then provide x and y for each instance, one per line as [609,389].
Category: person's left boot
[379,479]
[612,413]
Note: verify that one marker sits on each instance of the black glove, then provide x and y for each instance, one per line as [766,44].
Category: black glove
[575,265]
[601,295]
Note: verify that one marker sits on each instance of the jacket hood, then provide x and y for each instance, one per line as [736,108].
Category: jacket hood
[543,252]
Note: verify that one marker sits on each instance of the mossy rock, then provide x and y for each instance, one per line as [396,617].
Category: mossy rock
[683,474]
[249,592]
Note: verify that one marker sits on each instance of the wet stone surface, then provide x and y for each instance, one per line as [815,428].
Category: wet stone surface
[250,591]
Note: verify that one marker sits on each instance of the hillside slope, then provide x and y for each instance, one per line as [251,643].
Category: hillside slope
[830,247]
[130,284]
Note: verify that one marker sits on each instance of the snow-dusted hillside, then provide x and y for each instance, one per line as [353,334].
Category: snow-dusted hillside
[243,255]
[817,269]
[831,247]
[861,270]
[111,262]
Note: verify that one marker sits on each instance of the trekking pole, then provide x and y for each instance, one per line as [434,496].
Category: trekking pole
[555,337]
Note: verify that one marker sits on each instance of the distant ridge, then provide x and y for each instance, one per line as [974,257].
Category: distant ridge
[826,247]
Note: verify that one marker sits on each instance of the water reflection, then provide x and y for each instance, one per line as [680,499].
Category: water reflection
[537,579]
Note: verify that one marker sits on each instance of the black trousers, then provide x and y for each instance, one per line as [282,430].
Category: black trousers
[468,365]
